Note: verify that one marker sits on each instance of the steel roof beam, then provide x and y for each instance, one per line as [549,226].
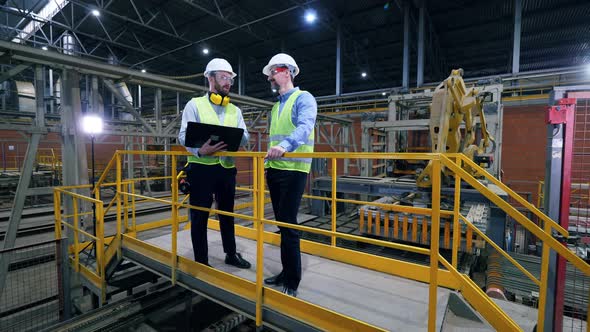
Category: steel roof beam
[53,59]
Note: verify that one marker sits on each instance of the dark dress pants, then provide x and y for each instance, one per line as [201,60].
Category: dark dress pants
[206,181]
[286,189]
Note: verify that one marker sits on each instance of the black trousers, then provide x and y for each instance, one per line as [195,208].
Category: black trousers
[286,189]
[206,181]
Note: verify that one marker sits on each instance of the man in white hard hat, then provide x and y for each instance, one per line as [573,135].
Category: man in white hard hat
[208,175]
[292,123]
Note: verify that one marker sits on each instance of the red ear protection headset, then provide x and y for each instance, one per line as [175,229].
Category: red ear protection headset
[218,99]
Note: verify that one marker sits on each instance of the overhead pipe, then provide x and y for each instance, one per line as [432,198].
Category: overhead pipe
[505,77]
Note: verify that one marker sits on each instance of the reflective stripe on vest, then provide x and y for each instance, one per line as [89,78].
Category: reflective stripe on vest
[280,128]
[207,115]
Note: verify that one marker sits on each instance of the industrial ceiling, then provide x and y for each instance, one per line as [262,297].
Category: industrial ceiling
[168,37]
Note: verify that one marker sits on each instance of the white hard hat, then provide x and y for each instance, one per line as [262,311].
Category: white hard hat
[218,64]
[281,59]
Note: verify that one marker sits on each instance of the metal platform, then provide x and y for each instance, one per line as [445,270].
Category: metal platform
[382,300]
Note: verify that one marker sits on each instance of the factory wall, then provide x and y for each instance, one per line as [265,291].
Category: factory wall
[524,140]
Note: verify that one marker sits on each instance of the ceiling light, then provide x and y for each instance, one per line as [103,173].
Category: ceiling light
[44,48]
[143,70]
[364,74]
[205,51]
[310,16]
[383,93]
[95,12]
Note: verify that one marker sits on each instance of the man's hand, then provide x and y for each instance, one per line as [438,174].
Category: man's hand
[208,149]
[275,152]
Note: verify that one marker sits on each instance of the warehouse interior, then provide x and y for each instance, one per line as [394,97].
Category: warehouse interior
[449,188]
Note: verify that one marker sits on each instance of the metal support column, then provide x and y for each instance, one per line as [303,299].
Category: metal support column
[24,181]
[163,141]
[560,137]
[346,142]
[66,291]
[129,146]
[391,134]
[95,100]
[420,68]
[51,93]
[167,170]
[366,147]
[144,169]
[158,110]
[74,157]
[406,64]
[338,59]
[517,32]
[241,82]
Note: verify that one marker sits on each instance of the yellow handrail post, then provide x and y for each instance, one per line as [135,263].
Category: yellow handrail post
[133,220]
[456,211]
[100,258]
[259,215]
[334,163]
[544,276]
[118,193]
[125,185]
[174,198]
[57,209]
[434,239]
[76,235]
[255,191]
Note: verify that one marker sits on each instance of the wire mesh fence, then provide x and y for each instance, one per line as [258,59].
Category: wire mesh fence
[30,300]
[577,285]
[575,302]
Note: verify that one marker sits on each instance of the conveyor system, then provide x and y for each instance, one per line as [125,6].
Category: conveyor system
[478,209]
[390,225]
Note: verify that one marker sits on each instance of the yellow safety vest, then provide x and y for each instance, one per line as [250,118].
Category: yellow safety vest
[207,115]
[280,128]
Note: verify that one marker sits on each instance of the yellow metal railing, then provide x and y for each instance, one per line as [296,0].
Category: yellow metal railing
[98,276]
[449,277]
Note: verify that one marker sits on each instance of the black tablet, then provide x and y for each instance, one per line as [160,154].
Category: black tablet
[198,133]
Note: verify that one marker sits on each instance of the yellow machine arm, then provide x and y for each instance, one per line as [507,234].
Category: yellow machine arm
[453,103]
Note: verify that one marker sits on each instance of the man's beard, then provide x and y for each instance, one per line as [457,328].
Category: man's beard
[221,90]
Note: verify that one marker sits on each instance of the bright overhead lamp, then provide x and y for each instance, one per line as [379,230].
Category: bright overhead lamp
[44,48]
[95,12]
[143,70]
[310,16]
[383,93]
[364,74]
[92,124]
[205,51]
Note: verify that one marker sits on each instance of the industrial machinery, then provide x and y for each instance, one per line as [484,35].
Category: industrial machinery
[458,119]
[452,104]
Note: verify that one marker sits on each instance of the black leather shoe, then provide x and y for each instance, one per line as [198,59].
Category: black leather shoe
[275,280]
[237,261]
[290,291]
